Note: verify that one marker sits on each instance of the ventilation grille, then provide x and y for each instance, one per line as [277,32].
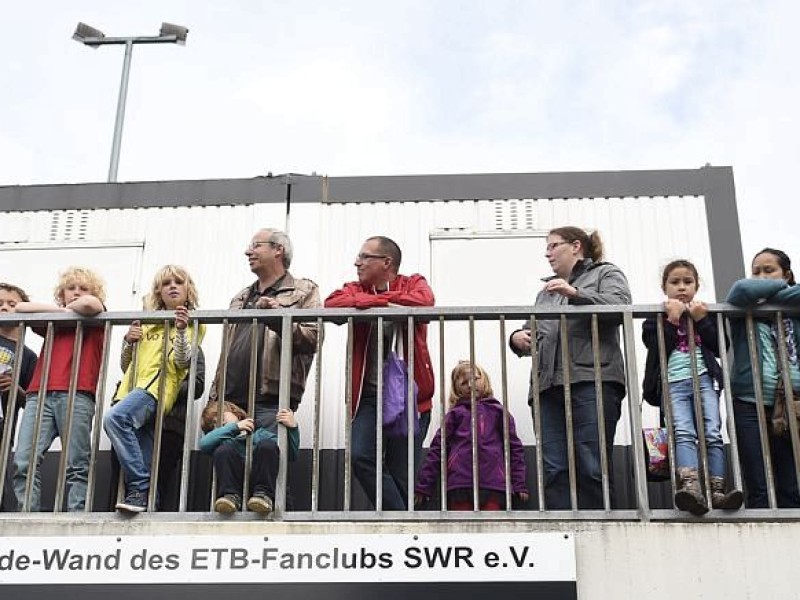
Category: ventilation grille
[513,215]
[69,225]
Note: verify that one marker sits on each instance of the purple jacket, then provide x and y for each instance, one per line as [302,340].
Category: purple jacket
[491,472]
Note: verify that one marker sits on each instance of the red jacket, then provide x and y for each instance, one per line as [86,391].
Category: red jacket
[406,290]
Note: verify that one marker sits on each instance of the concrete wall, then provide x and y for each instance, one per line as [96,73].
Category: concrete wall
[615,560]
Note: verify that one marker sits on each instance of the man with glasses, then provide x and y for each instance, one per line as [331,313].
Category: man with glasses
[269,255]
[379,284]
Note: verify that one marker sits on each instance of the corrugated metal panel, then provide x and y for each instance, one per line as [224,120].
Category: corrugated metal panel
[640,235]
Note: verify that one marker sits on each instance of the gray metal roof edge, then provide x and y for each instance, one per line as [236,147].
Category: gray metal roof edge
[389,188]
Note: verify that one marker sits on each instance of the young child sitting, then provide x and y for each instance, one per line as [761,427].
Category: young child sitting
[226,443]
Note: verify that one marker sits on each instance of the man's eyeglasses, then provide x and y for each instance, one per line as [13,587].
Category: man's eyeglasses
[366,256]
[553,245]
[253,245]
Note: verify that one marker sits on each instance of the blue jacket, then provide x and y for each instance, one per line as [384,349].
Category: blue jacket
[749,293]
[230,434]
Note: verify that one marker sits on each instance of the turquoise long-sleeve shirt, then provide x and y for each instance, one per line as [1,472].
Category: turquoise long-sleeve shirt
[748,293]
[230,434]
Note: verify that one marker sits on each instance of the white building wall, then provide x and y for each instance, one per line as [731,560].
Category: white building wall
[640,235]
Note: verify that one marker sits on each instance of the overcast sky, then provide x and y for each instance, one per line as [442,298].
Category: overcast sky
[376,88]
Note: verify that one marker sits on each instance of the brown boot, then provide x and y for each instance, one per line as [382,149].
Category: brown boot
[689,497]
[719,499]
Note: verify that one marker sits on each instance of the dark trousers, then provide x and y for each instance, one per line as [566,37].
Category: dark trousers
[587,445]
[8,503]
[750,457]
[394,483]
[229,466]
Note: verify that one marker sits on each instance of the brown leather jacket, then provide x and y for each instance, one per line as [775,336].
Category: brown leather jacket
[293,293]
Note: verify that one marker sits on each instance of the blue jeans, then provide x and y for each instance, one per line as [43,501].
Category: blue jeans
[53,424]
[780,450]
[395,458]
[129,425]
[682,396]
[587,445]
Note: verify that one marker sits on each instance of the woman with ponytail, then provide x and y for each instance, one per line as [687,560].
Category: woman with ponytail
[580,278]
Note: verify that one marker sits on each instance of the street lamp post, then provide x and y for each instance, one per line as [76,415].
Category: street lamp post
[94,38]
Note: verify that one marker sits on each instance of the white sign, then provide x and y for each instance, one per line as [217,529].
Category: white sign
[288,558]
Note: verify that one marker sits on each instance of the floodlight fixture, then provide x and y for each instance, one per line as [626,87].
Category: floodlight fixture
[180,33]
[89,36]
[86,34]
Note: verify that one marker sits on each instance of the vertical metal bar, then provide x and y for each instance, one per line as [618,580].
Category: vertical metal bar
[10,409]
[132,367]
[97,425]
[284,391]
[120,118]
[601,421]
[504,401]
[66,434]
[316,420]
[348,417]
[666,399]
[223,359]
[411,400]
[252,384]
[634,399]
[379,409]
[190,421]
[755,363]
[33,462]
[726,381]
[699,413]
[565,366]
[473,416]
[537,412]
[442,419]
[152,494]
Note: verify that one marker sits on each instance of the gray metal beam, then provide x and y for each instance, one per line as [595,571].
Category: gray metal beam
[724,235]
[312,188]
[598,184]
[151,194]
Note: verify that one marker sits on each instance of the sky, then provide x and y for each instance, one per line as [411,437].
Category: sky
[412,87]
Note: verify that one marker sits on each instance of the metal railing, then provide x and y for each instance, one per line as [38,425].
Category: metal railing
[330,490]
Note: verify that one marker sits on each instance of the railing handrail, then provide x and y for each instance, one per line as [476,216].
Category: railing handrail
[340,315]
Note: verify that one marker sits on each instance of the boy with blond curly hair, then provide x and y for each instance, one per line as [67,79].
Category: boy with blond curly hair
[82,292]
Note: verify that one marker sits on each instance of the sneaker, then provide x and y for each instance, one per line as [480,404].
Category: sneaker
[228,504]
[260,503]
[135,502]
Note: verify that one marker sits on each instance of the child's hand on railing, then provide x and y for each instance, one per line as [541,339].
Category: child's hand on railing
[246,425]
[286,418]
[181,317]
[134,332]
[675,309]
[697,310]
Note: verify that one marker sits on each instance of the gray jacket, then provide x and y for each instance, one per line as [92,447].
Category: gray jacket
[597,283]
